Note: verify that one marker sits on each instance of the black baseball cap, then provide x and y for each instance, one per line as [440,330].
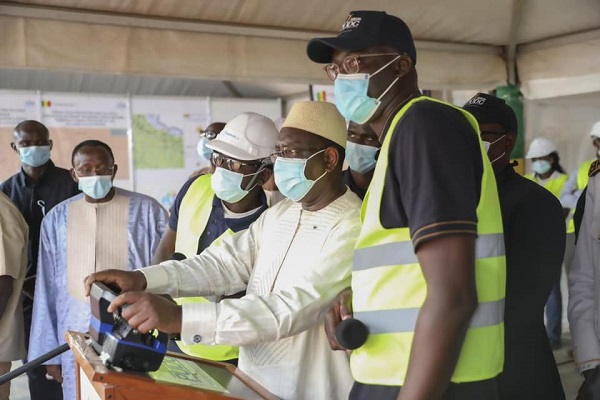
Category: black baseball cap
[488,109]
[361,30]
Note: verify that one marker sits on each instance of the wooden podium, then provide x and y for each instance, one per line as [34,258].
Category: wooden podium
[180,377]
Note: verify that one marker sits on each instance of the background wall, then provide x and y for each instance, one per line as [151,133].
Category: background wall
[153,138]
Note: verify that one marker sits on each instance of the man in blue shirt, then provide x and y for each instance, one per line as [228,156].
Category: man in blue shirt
[35,190]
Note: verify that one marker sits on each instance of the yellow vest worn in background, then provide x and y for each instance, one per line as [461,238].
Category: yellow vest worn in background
[582,181]
[389,288]
[555,186]
[194,213]
[582,174]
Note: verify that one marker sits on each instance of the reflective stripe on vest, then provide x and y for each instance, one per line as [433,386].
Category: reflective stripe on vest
[194,213]
[389,287]
[490,245]
[405,319]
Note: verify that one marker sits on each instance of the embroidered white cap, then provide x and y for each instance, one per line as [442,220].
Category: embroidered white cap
[320,118]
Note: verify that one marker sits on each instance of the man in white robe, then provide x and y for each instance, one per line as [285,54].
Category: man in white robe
[105,227]
[292,262]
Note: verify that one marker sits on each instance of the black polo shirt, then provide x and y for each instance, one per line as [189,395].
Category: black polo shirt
[534,237]
[35,199]
[433,180]
[432,186]
[348,181]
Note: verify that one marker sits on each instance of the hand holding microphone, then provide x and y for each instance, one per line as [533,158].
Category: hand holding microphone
[344,332]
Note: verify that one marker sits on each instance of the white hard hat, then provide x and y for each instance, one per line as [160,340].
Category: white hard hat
[249,136]
[595,133]
[540,147]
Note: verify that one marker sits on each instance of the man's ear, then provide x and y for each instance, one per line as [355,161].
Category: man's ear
[14,146]
[51,144]
[403,65]
[73,175]
[331,157]
[511,140]
[115,168]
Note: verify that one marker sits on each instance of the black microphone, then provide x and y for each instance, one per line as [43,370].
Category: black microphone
[33,363]
[177,256]
[351,333]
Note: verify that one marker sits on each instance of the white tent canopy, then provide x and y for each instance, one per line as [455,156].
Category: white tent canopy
[552,47]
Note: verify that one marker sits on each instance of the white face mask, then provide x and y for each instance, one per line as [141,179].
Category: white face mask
[487,145]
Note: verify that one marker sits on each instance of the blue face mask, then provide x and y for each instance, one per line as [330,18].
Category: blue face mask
[290,178]
[351,96]
[96,187]
[203,151]
[34,156]
[227,185]
[360,157]
[541,166]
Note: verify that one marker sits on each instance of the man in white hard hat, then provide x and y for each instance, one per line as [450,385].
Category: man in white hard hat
[227,201]
[240,153]
[548,172]
[545,163]
[292,262]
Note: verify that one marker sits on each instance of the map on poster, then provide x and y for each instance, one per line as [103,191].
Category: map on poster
[14,108]
[73,118]
[157,145]
[165,135]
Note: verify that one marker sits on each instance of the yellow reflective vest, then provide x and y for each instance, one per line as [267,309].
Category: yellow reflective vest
[389,287]
[582,174]
[194,213]
[555,186]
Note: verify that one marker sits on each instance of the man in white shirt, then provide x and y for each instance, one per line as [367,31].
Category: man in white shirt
[292,262]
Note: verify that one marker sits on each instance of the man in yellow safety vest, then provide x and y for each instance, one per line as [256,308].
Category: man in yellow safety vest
[211,205]
[429,267]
